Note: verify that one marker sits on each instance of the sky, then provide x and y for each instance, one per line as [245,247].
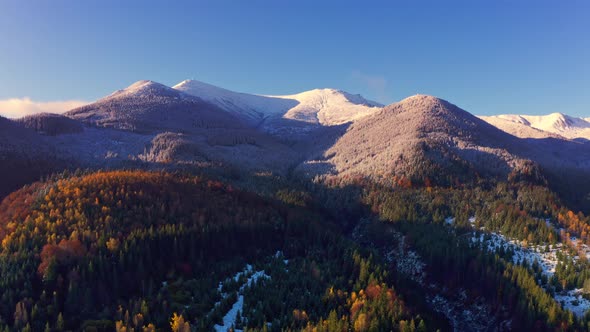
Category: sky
[488,57]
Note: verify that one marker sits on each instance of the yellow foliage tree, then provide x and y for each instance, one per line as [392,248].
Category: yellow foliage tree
[149,328]
[178,324]
[361,323]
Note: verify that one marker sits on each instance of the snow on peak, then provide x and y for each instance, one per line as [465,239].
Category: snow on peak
[319,106]
[421,101]
[252,107]
[329,106]
[541,125]
[141,89]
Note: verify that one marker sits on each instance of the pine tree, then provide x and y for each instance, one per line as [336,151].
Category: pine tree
[60,325]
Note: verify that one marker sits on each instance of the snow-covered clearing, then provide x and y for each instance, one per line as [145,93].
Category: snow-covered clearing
[229,319]
[407,261]
[547,260]
[574,302]
[545,257]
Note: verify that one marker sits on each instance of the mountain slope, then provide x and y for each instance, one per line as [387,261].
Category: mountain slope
[425,140]
[132,248]
[319,106]
[329,107]
[417,138]
[147,106]
[51,124]
[250,107]
[158,124]
[531,126]
[25,156]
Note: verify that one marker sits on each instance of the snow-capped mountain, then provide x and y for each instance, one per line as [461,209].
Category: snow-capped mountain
[317,132]
[143,88]
[540,126]
[148,106]
[424,136]
[418,136]
[329,107]
[320,106]
[153,123]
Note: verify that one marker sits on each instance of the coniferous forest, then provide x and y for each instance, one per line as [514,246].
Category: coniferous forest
[177,251]
[283,166]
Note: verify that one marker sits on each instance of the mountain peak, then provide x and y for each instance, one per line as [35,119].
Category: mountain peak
[331,94]
[143,85]
[203,90]
[426,106]
[325,106]
[143,88]
[422,98]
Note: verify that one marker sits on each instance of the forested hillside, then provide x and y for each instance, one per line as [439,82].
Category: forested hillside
[512,250]
[145,251]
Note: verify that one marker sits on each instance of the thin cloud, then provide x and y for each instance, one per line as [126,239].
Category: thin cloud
[19,107]
[376,84]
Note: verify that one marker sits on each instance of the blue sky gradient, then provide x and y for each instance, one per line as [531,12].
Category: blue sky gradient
[488,57]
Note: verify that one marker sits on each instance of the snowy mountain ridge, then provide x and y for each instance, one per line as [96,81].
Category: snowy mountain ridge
[318,106]
[540,126]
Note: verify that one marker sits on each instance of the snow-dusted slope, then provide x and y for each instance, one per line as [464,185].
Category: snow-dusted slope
[419,136]
[148,106]
[319,106]
[143,89]
[540,126]
[329,107]
[153,123]
[252,107]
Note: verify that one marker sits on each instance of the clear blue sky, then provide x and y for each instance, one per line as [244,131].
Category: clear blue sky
[530,57]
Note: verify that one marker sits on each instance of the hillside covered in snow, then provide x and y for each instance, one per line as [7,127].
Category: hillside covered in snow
[541,126]
[319,106]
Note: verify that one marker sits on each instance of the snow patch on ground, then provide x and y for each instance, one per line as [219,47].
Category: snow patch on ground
[464,315]
[280,254]
[407,261]
[473,317]
[229,319]
[547,260]
[574,302]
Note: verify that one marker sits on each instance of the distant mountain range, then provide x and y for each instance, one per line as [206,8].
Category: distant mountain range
[534,126]
[322,132]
